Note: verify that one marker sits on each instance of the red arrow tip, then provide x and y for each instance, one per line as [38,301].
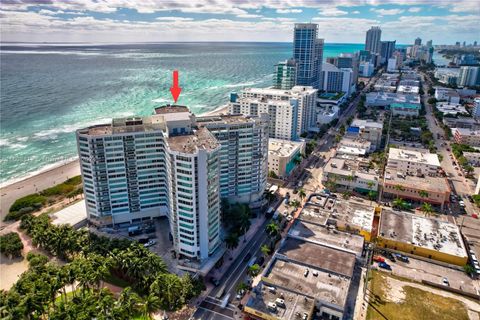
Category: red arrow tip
[175,92]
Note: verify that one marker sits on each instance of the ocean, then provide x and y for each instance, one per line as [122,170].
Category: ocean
[49,91]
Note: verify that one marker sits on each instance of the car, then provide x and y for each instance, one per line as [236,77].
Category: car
[401,257]
[445,282]
[378,259]
[247,257]
[461,203]
[149,243]
[384,265]
[214,281]
[240,294]
[470,198]
[260,261]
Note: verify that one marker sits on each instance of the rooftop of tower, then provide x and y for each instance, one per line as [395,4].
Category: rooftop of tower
[200,139]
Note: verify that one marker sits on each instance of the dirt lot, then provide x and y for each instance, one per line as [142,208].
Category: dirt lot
[392,298]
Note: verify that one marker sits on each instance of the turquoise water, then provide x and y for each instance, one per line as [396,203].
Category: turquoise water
[48,92]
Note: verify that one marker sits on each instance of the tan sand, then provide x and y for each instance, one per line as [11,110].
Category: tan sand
[36,183]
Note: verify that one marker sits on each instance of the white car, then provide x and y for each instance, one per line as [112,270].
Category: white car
[149,243]
[445,282]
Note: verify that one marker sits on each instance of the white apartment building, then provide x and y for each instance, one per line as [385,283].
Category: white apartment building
[447,94]
[413,162]
[451,108]
[392,64]
[368,130]
[291,112]
[469,76]
[476,109]
[335,79]
[350,173]
[353,146]
[173,164]
[282,156]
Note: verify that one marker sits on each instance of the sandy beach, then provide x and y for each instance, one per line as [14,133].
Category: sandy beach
[35,183]
[48,178]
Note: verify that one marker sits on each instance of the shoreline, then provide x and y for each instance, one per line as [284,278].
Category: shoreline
[50,175]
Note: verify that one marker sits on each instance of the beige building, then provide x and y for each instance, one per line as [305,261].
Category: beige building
[368,130]
[283,156]
[351,173]
[413,162]
[466,136]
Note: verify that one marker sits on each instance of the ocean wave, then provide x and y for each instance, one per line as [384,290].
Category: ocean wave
[12,145]
[79,53]
[53,133]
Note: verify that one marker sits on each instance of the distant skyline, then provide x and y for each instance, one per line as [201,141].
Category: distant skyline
[346,21]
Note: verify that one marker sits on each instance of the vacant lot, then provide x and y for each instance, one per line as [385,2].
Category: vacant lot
[393,299]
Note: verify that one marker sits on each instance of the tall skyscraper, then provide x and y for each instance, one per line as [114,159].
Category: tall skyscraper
[418,41]
[373,40]
[285,76]
[308,54]
[429,44]
[336,79]
[469,76]
[475,43]
[175,165]
[387,49]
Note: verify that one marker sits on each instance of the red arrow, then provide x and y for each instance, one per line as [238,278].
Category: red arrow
[175,89]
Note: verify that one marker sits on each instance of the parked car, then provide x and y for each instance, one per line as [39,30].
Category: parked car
[461,203]
[384,265]
[378,259]
[445,282]
[214,281]
[401,257]
[149,243]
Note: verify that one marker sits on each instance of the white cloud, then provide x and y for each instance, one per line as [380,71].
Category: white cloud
[331,12]
[174,19]
[356,12]
[248,15]
[282,11]
[388,12]
[415,9]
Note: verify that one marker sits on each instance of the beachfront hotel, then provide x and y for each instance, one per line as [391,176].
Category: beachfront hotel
[291,112]
[176,165]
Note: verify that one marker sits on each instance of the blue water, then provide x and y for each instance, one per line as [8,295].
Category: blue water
[47,92]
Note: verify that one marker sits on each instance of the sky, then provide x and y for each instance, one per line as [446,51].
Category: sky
[340,21]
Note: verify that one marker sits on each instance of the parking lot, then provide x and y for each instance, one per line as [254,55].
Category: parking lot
[419,270]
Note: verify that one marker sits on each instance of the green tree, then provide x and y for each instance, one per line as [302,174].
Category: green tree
[372,195]
[272,174]
[399,203]
[254,270]
[150,304]
[295,204]
[427,208]
[302,194]
[265,249]
[272,229]
[11,245]
[232,241]
[423,194]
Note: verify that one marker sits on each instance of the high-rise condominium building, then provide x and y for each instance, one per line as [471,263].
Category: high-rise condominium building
[168,164]
[285,76]
[387,49]
[335,79]
[372,41]
[308,53]
[429,44]
[291,112]
[418,42]
[469,76]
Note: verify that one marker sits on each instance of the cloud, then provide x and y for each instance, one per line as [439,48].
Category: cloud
[248,15]
[355,12]
[331,12]
[282,11]
[388,12]
[174,19]
[414,9]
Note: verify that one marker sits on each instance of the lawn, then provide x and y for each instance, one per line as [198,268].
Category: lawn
[416,304]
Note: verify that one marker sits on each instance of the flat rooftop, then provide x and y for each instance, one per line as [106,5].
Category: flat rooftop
[126,125]
[295,303]
[413,156]
[327,236]
[430,233]
[72,215]
[354,212]
[170,109]
[361,123]
[351,166]
[283,148]
[318,256]
[191,143]
[324,286]
[427,183]
[224,119]
[314,214]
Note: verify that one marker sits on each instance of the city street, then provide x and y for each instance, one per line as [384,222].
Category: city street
[461,185]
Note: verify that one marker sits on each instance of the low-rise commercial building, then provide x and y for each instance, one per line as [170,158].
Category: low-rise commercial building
[413,162]
[402,88]
[284,155]
[405,109]
[462,122]
[467,136]
[447,94]
[434,190]
[423,236]
[385,99]
[368,130]
[353,146]
[326,114]
[453,109]
[473,158]
[350,173]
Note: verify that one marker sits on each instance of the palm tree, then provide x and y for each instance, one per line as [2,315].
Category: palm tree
[150,304]
[232,241]
[295,203]
[254,270]
[370,184]
[399,187]
[129,301]
[427,208]
[272,229]
[423,194]
[265,249]
[302,194]
[372,195]
[399,203]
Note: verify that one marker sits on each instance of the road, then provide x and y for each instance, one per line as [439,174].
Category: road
[461,185]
